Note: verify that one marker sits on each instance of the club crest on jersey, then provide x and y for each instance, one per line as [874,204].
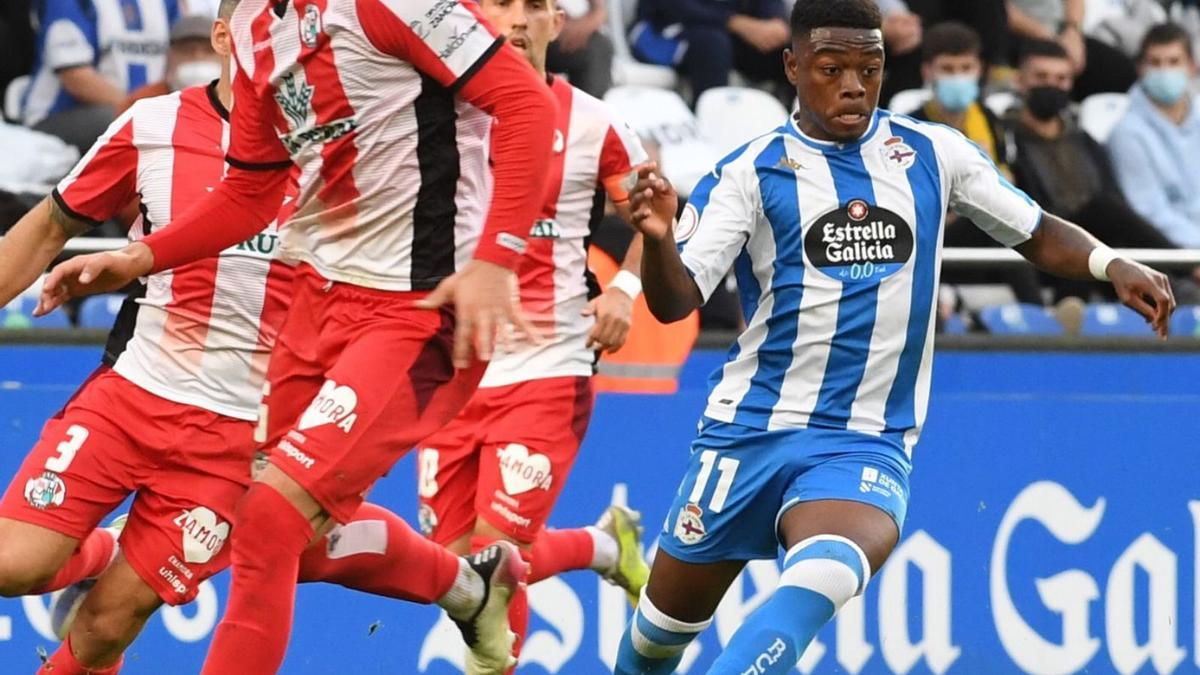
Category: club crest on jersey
[545,228]
[310,25]
[898,155]
[203,534]
[859,242]
[334,404]
[45,491]
[689,525]
[294,96]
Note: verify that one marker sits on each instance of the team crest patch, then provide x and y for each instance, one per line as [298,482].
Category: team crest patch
[45,491]
[897,154]
[427,519]
[310,25]
[689,526]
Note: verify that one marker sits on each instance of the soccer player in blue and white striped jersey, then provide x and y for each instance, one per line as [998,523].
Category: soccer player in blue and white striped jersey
[832,224]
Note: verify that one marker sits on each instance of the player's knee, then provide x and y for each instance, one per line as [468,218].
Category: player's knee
[110,626]
[656,636]
[832,566]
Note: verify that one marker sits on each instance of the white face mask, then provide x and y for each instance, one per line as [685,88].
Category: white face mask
[193,73]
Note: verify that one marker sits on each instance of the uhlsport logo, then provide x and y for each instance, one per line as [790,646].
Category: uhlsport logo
[334,404]
[859,242]
[45,491]
[203,534]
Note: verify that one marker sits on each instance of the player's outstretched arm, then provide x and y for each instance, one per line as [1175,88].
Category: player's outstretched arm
[31,245]
[671,294]
[1066,250]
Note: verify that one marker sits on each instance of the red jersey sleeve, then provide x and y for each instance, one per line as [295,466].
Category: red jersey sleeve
[105,179]
[254,143]
[621,153]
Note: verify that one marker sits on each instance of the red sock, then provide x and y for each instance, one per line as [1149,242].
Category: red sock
[518,606]
[90,558]
[557,551]
[63,662]
[269,535]
[377,552]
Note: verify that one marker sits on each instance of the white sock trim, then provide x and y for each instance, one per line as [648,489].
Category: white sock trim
[464,596]
[831,578]
[605,550]
[652,650]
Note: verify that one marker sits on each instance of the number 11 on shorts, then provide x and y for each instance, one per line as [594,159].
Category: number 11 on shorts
[726,467]
[76,435]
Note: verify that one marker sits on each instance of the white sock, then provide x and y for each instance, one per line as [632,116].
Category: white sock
[605,550]
[463,598]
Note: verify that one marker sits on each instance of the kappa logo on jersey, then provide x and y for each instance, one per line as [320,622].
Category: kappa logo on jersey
[897,154]
[689,526]
[545,228]
[334,404]
[45,491]
[521,471]
[203,534]
[688,223]
[859,242]
[310,25]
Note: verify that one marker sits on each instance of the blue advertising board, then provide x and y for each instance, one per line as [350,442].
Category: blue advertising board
[1054,527]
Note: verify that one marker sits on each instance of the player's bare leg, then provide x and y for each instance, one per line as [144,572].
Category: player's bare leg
[35,559]
[677,604]
[832,548]
[110,618]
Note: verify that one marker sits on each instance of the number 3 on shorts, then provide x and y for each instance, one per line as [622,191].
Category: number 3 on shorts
[727,467]
[76,435]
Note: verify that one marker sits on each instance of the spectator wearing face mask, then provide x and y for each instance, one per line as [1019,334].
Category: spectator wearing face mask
[1060,166]
[952,66]
[1095,66]
[191,60]
[1155,146]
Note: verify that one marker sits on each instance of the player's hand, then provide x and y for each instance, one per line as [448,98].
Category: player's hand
[653,203]
[614,316]
[95,273]
[486,301]
[1146,291]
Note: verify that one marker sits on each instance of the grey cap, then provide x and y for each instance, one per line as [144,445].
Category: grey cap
[192,27]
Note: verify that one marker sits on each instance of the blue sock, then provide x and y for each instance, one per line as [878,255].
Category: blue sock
[653,642]
[820,574]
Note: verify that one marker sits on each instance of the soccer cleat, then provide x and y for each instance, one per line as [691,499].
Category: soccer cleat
[65,604]
[631,571]
[487,634]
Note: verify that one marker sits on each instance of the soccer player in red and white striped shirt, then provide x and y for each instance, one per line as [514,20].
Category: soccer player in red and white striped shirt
[495,472]
[373,101]
[171,414]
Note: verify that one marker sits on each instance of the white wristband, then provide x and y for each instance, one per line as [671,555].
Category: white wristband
[628,283]
[1099,260]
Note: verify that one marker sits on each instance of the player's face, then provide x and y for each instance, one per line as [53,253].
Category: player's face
[837,73]
[529,25]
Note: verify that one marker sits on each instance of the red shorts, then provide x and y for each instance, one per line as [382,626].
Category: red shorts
[504,459]
[187,466]
[357,377]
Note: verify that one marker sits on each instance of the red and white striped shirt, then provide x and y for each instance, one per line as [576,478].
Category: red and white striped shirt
[201,334]
[363,96]
[593,151]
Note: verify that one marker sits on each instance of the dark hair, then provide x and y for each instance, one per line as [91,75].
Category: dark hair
[1165,34]
[950,38]
[810,14]
[1043,48]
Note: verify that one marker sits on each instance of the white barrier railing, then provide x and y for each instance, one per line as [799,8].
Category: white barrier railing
[967,257]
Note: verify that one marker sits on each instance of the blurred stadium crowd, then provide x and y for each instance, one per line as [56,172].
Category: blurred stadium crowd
[1087,105]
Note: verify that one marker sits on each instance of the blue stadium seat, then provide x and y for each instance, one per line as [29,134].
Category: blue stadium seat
[100,311]
[1019,319]
[1111,319]
[955,325]
[1186,321]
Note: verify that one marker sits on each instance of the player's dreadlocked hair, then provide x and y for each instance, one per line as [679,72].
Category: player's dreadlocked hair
[810,14]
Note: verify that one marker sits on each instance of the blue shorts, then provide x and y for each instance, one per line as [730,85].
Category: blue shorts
[740,481]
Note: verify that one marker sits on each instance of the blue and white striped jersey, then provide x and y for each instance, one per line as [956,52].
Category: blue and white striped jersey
[836,249]
[125,40]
